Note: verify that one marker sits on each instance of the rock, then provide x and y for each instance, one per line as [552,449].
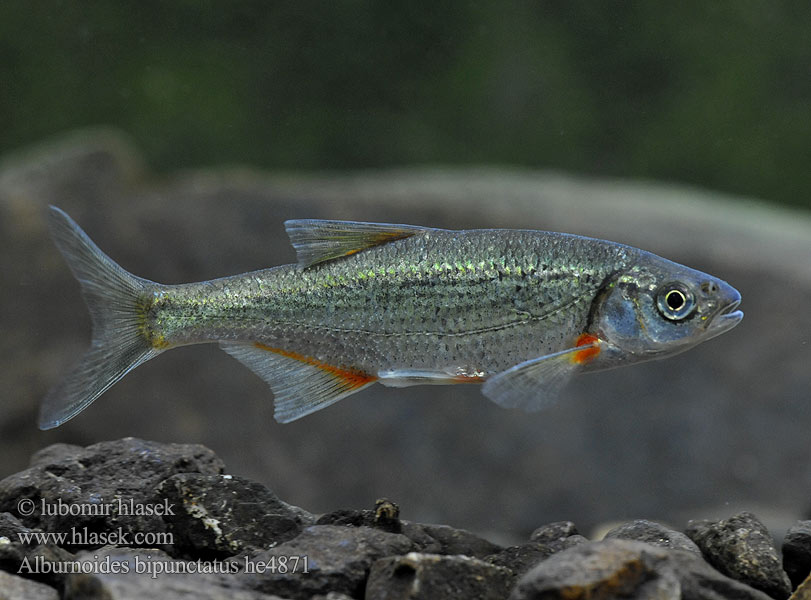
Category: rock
[432,539]
[655,534]
[11,527]
[552,532]
[222,515]
[322,559]
[12,587]
[544,542]
[523,557]
[44,563]
[742,548]
[607,569]
[386,516]
[450,540]
[803,592]
[699,581]
[617,568]
[107,488]
[133,574]
[418,576]
[797,552]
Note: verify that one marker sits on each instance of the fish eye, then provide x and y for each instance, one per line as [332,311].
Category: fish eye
[675,302]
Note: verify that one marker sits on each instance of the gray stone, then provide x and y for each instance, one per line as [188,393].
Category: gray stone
[385,516]
[803,592]
[443,539]
[797,552]
[44,563]
[427,538]
[135,574]
[222,515]
[554,532]
[13,587]
[653,533]
[106,488]
[11,527]
[742,548]
[607,569]
[418,576]
[327,558]
[523,557]
[617,568]
[543,543]
[699,581]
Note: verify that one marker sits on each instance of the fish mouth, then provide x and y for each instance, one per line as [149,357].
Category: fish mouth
[725,319]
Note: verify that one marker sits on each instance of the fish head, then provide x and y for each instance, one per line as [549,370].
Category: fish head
[658,308]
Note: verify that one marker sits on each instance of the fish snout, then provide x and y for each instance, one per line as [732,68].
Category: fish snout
[724,302]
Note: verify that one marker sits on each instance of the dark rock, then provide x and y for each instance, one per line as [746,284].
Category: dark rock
[11,527]
[348,517]
[519,559]
[557,531]
[543,543]
[797,552]
[442,539]
[431,539]
[109,487]
[617,568]
[742,548]
[385,516]
[699,581]
[607,569]
[322,559]
[56,453]
[803,592]
[42,563]
[222,515]
[655,534]
[417,576]
[134,574]
[12,586]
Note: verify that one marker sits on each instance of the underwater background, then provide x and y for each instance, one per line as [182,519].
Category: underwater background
[180,135]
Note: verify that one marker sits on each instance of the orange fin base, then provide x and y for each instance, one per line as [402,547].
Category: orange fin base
[591,350]
[352,379]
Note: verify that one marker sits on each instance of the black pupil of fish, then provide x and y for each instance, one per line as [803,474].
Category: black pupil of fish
[675,300]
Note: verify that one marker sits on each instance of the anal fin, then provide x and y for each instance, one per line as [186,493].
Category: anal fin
[301,384]
[535,384]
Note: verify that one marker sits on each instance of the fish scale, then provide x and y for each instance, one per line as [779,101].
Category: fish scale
[520,311]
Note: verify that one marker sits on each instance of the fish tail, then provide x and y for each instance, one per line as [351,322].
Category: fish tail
[115,299]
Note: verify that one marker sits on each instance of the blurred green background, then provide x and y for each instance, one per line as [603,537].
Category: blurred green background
[716,94]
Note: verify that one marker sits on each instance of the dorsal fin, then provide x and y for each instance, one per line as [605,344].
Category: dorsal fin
[318,241]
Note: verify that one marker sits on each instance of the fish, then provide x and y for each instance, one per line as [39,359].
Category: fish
[518,311]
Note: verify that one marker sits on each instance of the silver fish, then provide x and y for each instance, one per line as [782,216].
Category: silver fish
[519,311]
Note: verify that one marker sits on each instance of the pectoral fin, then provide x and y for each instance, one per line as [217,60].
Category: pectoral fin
[535,384]
[318,241]
[301,384]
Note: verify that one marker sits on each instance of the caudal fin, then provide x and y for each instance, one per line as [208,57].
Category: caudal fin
[118,345]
